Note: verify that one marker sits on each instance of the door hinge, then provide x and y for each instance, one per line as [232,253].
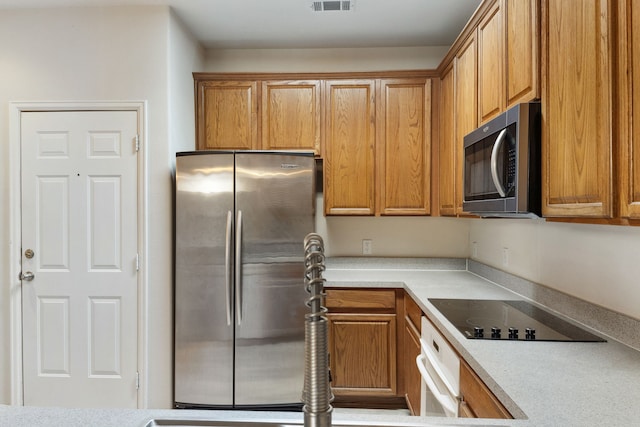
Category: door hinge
[137,143]
[137,262]
[137,380]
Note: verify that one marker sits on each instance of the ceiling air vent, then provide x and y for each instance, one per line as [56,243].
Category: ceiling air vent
[327,5]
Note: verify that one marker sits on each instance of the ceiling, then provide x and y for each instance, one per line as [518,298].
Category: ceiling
[266,24]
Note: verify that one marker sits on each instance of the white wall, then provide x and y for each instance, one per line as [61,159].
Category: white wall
[186,55]
[324,60]
[393,236]
[597,263]
[105,54]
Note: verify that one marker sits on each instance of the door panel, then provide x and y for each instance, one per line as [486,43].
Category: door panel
[79,216]
[276,196]
[349,147]
[203,308]
[53,337]
[53,241]
[104,337]
[104,208]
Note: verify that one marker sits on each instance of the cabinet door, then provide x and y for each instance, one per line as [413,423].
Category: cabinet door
[291,115]
[491,98]
[477,399]
[411,372]
[522,50]
[446,145]
[227,115]
[363,354]
[629,107]
[349,147]
[466,108]
[577,134]
[404,149]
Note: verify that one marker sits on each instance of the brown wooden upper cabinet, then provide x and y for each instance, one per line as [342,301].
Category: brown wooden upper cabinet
[377,162]
[466,108]
[373,131]
[492,66]
[447,148]
[522,22]
[258,115]
[226,114]
[349,147]
[291,115]
[629,107]
[404,148]
[458,116]
[577,105]
[508,52]
[591,110]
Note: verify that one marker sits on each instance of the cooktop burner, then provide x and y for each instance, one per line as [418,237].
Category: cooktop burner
[508,320]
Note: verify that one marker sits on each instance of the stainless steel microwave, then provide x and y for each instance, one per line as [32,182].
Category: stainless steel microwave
[502,175]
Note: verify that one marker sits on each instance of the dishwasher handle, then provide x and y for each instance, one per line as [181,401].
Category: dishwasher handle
[436,367]
[448,403]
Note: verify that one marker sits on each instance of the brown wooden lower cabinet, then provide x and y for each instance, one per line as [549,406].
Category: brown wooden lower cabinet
[477,399]
[374,339]
[363,354]
[411,373]
[411,350]
[363,346]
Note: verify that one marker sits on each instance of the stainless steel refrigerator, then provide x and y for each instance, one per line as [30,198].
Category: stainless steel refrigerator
[240,222]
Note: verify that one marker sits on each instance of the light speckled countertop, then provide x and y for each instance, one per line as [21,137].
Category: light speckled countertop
[541,383]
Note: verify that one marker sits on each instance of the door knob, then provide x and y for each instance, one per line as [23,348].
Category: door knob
[28,276]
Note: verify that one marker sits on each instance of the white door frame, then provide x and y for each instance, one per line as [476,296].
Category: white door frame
[15,242]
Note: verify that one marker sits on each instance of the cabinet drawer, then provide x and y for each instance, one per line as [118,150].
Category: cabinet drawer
[359,298]
[412,311]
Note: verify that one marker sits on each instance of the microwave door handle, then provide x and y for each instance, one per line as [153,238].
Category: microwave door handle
[429,357]
[494,163]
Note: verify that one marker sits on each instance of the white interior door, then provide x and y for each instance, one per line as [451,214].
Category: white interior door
[79,239]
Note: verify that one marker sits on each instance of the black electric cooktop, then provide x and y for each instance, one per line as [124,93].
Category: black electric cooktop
[509,320]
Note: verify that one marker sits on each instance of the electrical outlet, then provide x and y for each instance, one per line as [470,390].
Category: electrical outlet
[367,246]
[474,250]
[505,257]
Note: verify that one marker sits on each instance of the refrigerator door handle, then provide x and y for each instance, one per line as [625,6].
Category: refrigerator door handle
[239,266]
[227,264]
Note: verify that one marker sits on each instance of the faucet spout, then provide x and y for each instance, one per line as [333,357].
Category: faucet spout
[316,395]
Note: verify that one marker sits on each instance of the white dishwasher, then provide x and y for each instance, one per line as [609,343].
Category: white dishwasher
[439,367]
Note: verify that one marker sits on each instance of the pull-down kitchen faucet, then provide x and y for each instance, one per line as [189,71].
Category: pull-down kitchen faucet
[316,395]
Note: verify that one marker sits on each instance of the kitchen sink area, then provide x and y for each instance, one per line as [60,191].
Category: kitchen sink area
[222,423]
